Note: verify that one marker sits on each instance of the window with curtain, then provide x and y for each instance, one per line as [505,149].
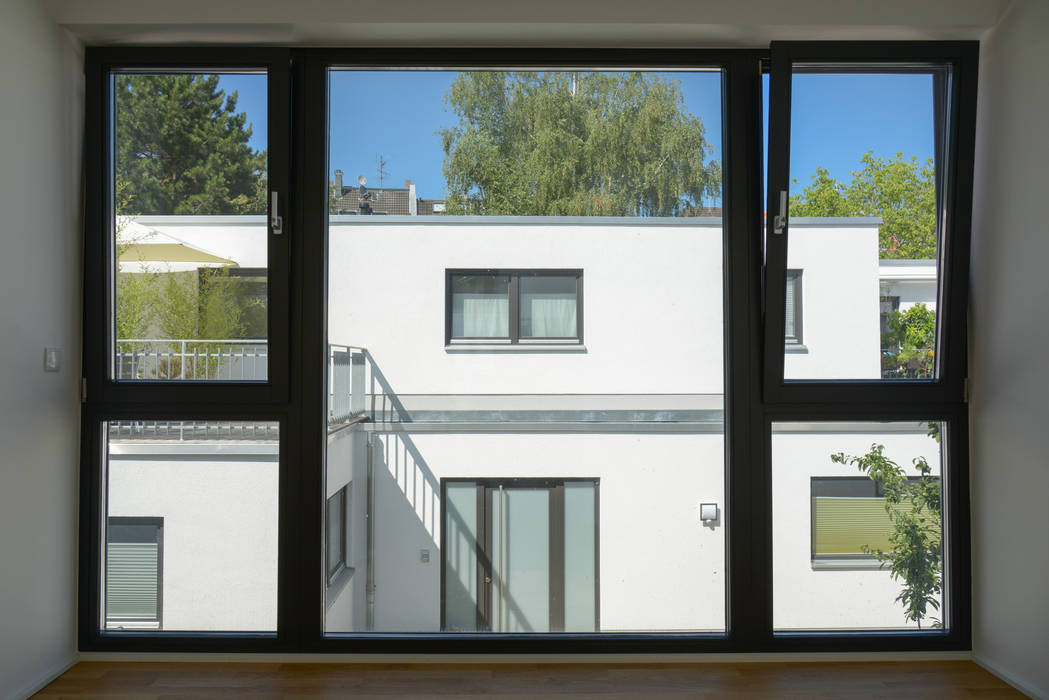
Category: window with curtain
[480,306]
[514,306]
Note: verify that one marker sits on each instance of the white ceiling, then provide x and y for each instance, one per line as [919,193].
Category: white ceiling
[665,23]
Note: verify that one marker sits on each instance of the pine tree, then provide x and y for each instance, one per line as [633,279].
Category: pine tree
[182,148]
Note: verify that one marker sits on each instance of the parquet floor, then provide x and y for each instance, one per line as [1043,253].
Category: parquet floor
[170,681]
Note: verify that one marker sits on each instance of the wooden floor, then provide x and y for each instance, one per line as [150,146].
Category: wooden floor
[940,679]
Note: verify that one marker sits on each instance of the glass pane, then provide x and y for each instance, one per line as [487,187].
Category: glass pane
[857,526]
[467,211]
[336,531]
[580,556]
[521,561]
[190,526]
[190,184]
[462,596]
[548,306]
[480,306]
[865,154]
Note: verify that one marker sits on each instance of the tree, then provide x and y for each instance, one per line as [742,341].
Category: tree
[910,344]
[914,507]
[900,190]
[574,144]
[182,148]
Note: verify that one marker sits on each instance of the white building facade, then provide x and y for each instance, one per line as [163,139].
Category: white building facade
[529,485]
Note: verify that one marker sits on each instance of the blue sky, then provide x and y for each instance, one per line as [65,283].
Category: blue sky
[835,120]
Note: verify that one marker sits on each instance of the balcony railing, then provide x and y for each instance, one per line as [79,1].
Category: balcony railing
[346,377]
[191,360]
[193,431]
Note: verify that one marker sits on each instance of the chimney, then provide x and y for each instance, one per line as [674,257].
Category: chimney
[338,183]
[413,203]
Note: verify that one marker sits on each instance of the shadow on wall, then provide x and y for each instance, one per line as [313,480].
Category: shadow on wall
[407,520]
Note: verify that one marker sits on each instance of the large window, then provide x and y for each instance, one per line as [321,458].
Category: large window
[343,403]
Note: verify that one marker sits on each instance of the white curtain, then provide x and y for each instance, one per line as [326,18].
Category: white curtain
[553,316]
[482,317]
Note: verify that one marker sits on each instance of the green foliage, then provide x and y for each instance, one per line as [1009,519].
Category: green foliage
[914,507]
[182,148]
[911,343]
[574,144]
[134,302]
[900,190]
[199,305]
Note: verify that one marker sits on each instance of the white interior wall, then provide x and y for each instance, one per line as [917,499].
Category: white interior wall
[40,123]
[1009,370]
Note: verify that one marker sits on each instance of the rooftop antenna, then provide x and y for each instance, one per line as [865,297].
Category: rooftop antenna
[382,171]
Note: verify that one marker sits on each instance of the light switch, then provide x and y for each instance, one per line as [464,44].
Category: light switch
[424,556]
[708,512]
[52,359]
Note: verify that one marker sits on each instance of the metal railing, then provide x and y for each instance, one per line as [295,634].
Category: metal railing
[166,430]
[192,360]
[346,378]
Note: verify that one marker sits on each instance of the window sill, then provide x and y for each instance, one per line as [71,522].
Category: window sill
[795,349]
[458,348]
[859,564]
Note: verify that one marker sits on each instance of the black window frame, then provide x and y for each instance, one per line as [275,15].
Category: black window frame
[294,395]
[514,299]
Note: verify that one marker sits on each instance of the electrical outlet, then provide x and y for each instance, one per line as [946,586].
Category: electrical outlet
[424,556]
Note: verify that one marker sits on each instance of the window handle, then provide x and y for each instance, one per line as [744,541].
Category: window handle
[276,222]
[779,222]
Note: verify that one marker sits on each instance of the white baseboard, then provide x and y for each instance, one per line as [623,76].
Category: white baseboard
[1018,683]
[42,681]
[533,658]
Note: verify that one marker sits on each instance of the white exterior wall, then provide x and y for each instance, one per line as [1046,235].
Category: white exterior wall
[840,330]
[661,568]
[652,304]
[913,281]
[242,239]
[808,598]
[220,529]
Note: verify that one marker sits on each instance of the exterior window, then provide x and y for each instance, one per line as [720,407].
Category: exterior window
[518,306]
[337,549]
[848,515]
[519,555]
[887,305]
[792,327]
[134,565]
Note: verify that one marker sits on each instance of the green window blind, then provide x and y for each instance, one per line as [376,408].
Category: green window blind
[841,526]
[131,580]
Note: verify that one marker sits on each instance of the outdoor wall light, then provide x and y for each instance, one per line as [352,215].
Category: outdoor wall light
[708,512]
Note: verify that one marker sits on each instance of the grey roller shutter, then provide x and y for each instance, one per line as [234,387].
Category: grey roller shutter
[131,580]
